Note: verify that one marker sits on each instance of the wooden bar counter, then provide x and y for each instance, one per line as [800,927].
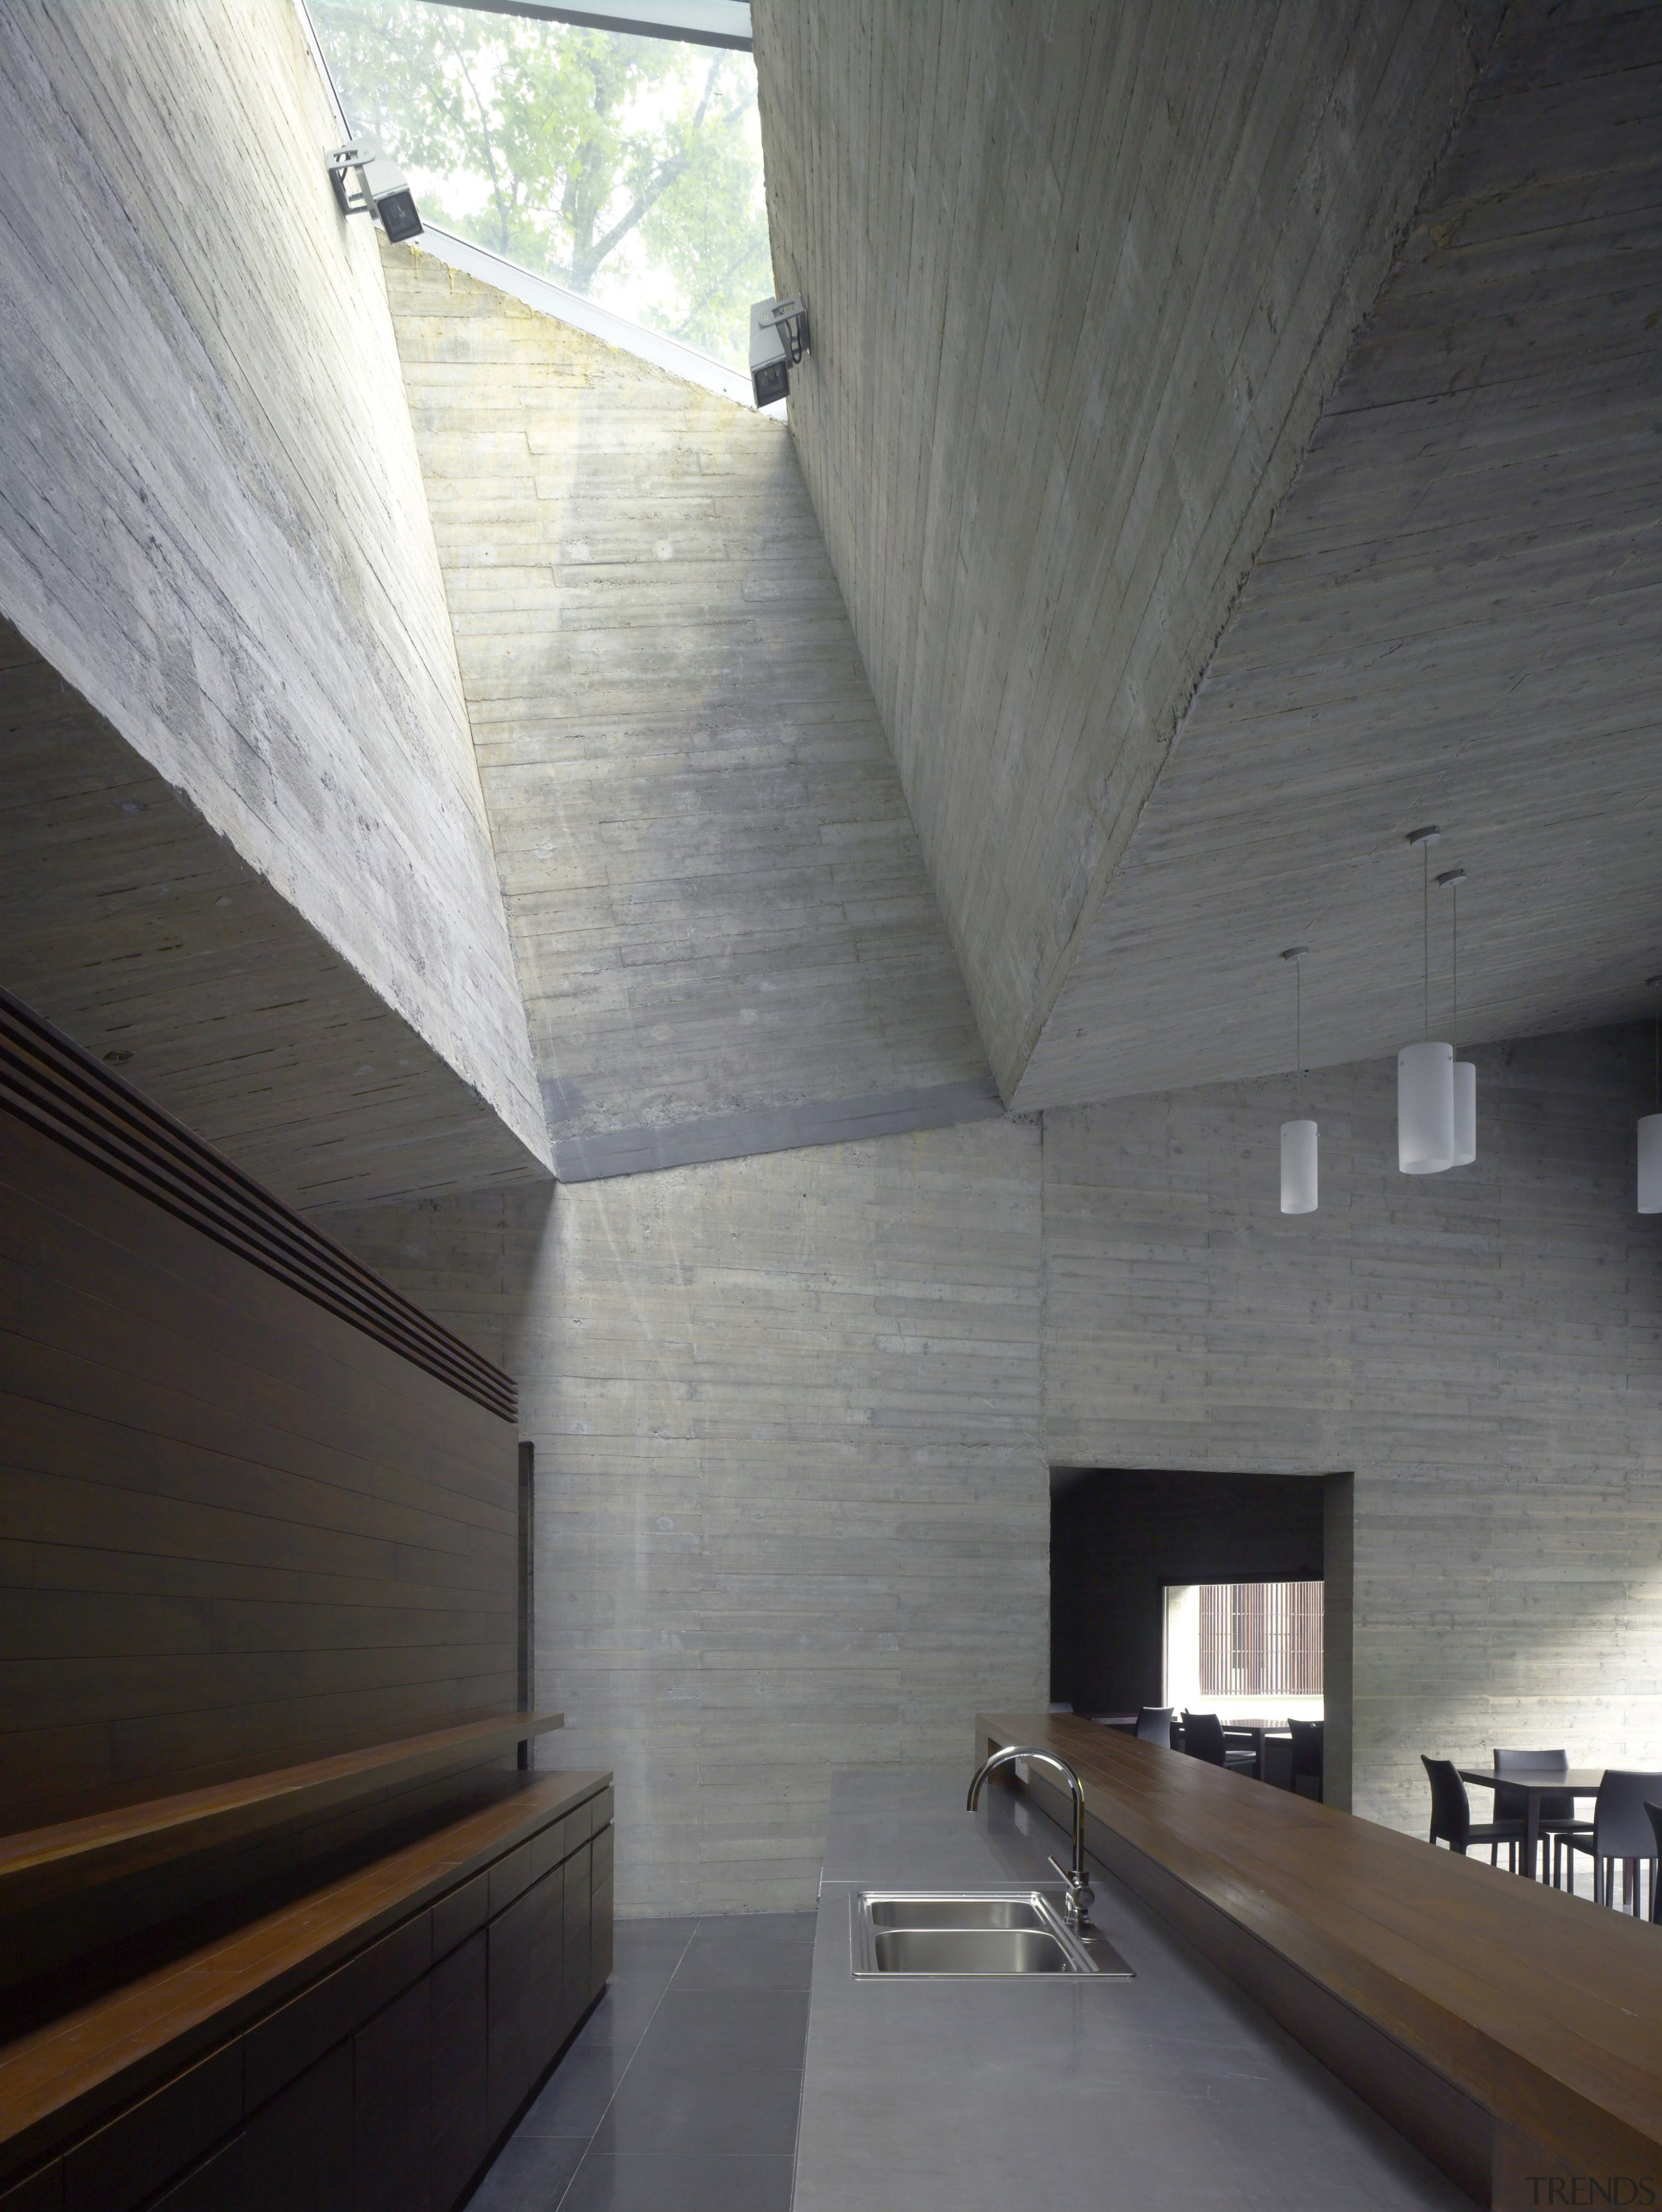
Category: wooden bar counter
[1512,2032]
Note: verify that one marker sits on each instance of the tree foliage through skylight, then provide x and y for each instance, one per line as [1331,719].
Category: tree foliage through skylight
[628,169]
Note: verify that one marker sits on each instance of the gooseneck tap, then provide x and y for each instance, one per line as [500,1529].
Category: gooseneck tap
[1080,1895]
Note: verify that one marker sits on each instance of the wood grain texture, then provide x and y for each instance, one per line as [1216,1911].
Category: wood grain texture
[727,941]
[274,1996]
[41,1863]
[1482,1348]
[792,1504]
[1452,620]
[1535,2009]
[236,1530]
[129,922]
[211,516]
[1081,279]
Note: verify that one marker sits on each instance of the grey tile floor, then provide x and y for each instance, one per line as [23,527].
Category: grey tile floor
[680,2093]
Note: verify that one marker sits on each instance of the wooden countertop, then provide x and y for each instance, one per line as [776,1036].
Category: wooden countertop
[38,1863]
[63,2078]
[1541,2010]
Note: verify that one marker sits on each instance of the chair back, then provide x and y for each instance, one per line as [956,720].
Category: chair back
[1203,1737]
[1306,1749]
[1655,1814]
[1513,1804]
[1451,1809]
[1154,1725]
[1621,1826]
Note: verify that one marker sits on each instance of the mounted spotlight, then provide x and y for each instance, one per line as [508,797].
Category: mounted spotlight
[383,191]
[778,340]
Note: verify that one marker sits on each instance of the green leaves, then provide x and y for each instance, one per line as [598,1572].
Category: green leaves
[628,169]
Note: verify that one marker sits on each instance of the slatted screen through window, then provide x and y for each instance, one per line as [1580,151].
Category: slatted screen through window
[1261,1638]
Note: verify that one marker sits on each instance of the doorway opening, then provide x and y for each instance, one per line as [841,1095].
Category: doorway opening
[1120,1538]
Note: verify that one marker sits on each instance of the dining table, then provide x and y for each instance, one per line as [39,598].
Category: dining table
[1534,1784]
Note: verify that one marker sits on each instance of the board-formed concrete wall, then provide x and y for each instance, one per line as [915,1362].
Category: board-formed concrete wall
[1484,1348]
[212,522]
[792,1458]
[728,941]
[1079,279]
[792,1513]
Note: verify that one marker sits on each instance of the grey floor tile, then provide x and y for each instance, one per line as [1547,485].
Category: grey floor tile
[675,2095]
[739,2027]
[530,2175]
[635,2182]
[574,2099]
[684,2101]
[754,1951]
[619,2020]
[649,1948]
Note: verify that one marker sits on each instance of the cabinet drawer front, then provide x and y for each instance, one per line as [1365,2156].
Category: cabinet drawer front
[460,2110]
[142,2148]
[456,1917]
[278,2048]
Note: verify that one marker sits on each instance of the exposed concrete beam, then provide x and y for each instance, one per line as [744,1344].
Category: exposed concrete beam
[129,922]
[211,516]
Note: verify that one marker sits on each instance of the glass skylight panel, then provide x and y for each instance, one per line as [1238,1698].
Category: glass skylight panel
[627,169]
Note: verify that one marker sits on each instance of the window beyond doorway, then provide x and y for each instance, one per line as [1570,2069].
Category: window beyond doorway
[1246,1649]
[1261,1639]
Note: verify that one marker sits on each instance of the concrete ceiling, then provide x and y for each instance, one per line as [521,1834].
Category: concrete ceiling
[213,526]
[1456,618]
[129,923]
[1081,279]
[1203,537]
[723,924]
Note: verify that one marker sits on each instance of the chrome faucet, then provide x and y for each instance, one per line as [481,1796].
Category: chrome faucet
[1080,1895]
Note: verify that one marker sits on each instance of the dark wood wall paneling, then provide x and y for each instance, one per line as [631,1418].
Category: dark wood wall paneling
[255,1508]
[1118,1535]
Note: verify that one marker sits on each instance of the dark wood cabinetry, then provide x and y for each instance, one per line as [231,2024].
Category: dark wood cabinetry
[287,1924]
[459,2108]
[442,1983]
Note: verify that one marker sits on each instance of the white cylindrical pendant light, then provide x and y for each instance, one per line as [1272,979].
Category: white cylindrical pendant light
[1298,1166]
[1298,1137]
[1465,1114]
[1650,1164]
[1465,1072]
[1425,1109]
[1650,1129]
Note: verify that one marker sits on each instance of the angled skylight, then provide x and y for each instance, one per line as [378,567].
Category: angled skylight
[627,169]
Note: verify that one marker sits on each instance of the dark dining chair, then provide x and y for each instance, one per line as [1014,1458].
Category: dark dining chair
[1655,1812]
[1557,1814]
[1451,1815]
[1620,1830]
[1154,1725]
[1307,1758]
[1202,1738]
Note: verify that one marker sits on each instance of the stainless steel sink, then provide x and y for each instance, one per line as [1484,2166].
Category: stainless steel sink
[973,1931]
[966,1913]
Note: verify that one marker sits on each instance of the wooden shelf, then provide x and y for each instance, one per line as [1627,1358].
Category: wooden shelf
[62,2079]
[41,1863]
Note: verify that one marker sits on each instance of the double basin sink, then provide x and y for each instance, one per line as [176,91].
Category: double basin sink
[973,1931]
